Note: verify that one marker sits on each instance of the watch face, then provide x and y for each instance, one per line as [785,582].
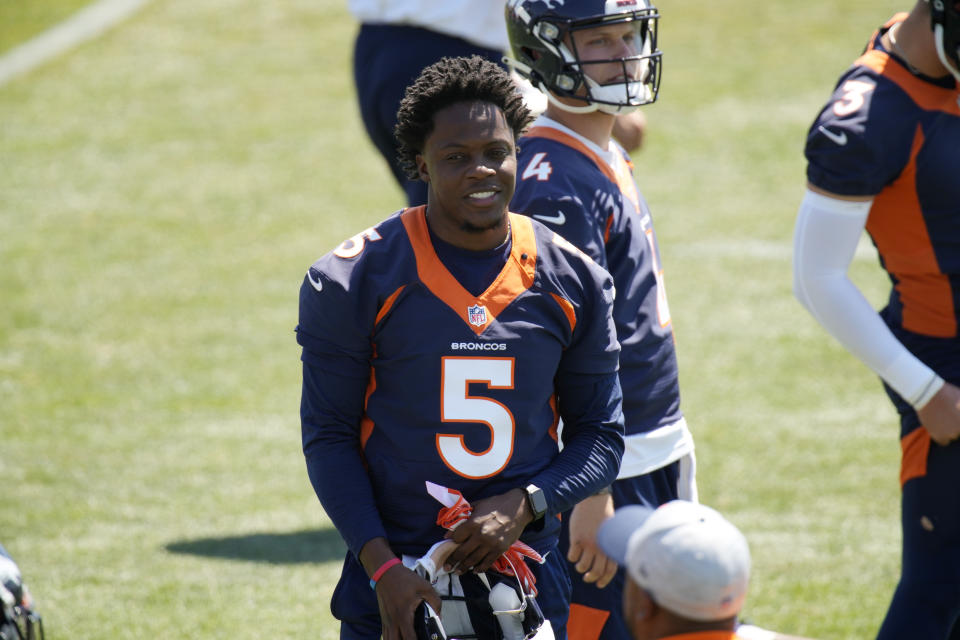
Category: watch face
[538,501]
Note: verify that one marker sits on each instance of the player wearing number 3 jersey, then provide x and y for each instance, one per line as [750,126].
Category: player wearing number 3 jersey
[884,155]
[435,347]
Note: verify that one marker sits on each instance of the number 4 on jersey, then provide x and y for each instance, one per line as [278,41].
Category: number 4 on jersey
[538,168]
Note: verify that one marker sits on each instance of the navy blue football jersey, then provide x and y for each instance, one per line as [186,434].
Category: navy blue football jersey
[894,135]
[595,204]
[444,386]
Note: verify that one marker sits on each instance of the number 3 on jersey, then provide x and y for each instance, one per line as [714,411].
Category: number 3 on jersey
[459,406]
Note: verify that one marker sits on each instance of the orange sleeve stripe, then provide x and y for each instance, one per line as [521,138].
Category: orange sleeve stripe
[366,424]
[556,419]
[388,304]
[568,310]
[585,623]
[897,225]
[606,228]
[915,448]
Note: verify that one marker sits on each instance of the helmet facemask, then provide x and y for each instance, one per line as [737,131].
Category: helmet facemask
[546,53]
[633,80]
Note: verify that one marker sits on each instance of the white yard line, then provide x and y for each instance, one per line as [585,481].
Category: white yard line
[86,24]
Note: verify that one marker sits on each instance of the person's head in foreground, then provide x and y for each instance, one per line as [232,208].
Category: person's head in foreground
[687,568]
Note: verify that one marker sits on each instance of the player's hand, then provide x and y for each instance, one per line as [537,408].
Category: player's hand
[399,593]
[941,416]
[495,524]
[588,559]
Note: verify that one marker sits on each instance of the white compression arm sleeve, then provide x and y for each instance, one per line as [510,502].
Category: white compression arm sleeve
[824,243]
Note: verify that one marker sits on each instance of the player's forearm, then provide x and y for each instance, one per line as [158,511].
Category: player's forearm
[331,446]
[592,438]
[341,483]
[825,240]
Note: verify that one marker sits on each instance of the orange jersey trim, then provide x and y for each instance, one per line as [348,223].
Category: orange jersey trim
[927,96]
[607,227]
[568,310]
[388,304]
[915,448]
[366,424]
[585,623]
[621,175]
[897,225]
[564,138]
[516,276]
[556,419]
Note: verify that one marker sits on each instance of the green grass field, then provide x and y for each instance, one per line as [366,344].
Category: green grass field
[21,20]
[162,191]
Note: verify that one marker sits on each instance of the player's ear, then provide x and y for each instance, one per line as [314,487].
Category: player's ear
[638,607]
[422,168]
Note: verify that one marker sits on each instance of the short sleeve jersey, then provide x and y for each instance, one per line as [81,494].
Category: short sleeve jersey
[461,389]
[895,135]
[596,205]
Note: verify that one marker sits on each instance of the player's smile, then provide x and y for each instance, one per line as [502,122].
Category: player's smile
[470,163]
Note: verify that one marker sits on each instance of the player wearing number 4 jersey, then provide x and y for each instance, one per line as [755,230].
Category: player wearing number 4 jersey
[435,347]
[596,59]
[884,154]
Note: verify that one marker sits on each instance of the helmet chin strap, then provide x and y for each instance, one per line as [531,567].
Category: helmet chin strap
[590,107]
[947,62]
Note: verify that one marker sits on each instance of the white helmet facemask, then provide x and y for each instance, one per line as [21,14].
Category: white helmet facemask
[616,97]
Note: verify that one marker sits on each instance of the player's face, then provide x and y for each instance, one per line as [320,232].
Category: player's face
[469,161]
[609,42]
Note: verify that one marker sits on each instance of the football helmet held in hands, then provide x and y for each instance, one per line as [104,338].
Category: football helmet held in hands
[18,620]
[552,49]
[486,606]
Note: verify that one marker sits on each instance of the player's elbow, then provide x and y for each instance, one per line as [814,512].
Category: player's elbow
[800,288]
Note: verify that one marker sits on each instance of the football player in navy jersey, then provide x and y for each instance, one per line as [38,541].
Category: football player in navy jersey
[884,154]
[596,59]
[444,345]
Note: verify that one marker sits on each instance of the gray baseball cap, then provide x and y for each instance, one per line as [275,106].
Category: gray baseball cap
[689,558]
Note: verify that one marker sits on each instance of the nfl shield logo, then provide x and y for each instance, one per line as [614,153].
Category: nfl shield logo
[477,315]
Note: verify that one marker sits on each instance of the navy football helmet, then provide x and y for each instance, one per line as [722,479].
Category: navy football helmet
[945,15]
[545,52]
[18,620]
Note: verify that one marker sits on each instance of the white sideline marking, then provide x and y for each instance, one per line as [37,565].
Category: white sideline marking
[86,24]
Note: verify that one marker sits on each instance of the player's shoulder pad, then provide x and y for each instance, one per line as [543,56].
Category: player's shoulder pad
[574,273]
[863,135]
[546,162]
[363,265]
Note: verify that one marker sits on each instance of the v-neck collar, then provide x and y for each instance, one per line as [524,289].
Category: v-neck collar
[478,312]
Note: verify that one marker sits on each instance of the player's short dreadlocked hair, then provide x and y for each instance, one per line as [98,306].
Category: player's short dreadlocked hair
[447,82]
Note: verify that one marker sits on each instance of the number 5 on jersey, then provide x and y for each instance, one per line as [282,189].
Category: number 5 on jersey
[459,406]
